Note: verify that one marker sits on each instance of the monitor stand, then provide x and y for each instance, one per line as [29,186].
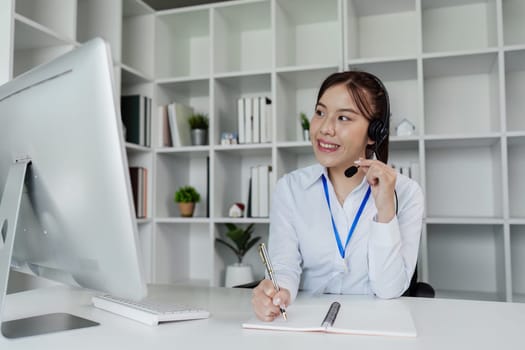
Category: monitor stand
[9,210]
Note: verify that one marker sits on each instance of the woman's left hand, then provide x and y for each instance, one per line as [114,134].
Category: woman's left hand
[382,180]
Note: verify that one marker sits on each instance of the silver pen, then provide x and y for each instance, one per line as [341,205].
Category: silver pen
[269,268]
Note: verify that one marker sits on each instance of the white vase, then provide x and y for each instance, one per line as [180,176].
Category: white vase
[237,274]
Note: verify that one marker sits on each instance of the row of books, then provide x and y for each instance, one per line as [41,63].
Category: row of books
[175,130]
[136,118]
[411,170]
[260,189]
[254,115]
[139,189]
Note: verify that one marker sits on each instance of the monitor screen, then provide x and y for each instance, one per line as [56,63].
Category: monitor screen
[76,222]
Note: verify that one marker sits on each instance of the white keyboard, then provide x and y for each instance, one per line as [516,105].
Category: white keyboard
[147,311]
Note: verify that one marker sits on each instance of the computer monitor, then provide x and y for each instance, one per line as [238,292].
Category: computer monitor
[66,201]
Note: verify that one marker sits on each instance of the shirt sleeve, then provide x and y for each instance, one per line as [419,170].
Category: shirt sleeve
[283,242]
[393,247]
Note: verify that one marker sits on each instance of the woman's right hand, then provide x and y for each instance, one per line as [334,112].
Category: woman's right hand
[266,301]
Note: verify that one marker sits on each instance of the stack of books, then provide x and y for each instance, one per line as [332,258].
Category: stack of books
[174,127]
[254,115]
[136,117]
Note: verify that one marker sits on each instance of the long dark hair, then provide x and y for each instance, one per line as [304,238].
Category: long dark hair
[371,99]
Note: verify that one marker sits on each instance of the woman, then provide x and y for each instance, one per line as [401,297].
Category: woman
[349,194]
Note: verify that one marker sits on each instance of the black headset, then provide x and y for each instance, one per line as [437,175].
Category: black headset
[378,128]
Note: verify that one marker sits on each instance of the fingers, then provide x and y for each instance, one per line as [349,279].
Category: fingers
[266,302]
[382,180]
[376,172]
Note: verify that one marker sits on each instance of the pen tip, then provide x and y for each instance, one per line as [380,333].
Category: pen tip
[285,316]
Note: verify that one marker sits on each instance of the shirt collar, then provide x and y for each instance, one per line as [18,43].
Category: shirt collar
[315,173]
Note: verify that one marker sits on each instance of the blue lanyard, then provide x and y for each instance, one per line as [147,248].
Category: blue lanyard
[354,224]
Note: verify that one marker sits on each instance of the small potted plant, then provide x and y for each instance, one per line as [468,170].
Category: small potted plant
[305,125]
[199,129]
[241,242]
[186,197]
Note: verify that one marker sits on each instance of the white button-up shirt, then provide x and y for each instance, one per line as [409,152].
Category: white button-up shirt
[380,257]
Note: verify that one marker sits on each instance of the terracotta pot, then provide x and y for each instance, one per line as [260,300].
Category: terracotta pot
[186,209]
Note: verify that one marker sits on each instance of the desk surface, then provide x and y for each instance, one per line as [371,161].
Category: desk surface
[440,323]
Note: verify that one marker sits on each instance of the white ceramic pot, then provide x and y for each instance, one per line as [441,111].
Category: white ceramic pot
[238,274]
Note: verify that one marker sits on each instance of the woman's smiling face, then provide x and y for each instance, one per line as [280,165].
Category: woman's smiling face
[338,130]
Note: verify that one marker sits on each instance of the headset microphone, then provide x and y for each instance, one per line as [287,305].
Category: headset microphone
[351,171]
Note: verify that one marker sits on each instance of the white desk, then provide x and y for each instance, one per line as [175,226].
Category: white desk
[441,324]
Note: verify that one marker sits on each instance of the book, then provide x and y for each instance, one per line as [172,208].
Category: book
[248,120]
[164,127]
[132,111]
[256,112]
[254,192]
[240,120]
[178,115]
[264,189]
[363,316]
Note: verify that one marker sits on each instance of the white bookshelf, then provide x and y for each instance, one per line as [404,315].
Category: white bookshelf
[460,85]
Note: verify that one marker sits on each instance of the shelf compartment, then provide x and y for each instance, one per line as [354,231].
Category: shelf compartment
[463,178]
[461,94]
[294,157]
[146,248]
[297,92]
[225,256]
[466,261]
[232,174]
[301,31]
[175,170]
[517,253]
[445,28]
[137,43]
[386,29]
[100,19]
[57,15]
[183,42]
[401,81]
[515,89]
[183,252]
[227,93]
[243,37]
[516,165]
[513,14]
[405,154]
[35,45]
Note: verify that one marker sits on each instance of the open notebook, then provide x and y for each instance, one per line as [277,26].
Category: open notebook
[367,317]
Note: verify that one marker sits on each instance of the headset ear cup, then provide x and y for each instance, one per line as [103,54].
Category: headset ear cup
[375,130]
